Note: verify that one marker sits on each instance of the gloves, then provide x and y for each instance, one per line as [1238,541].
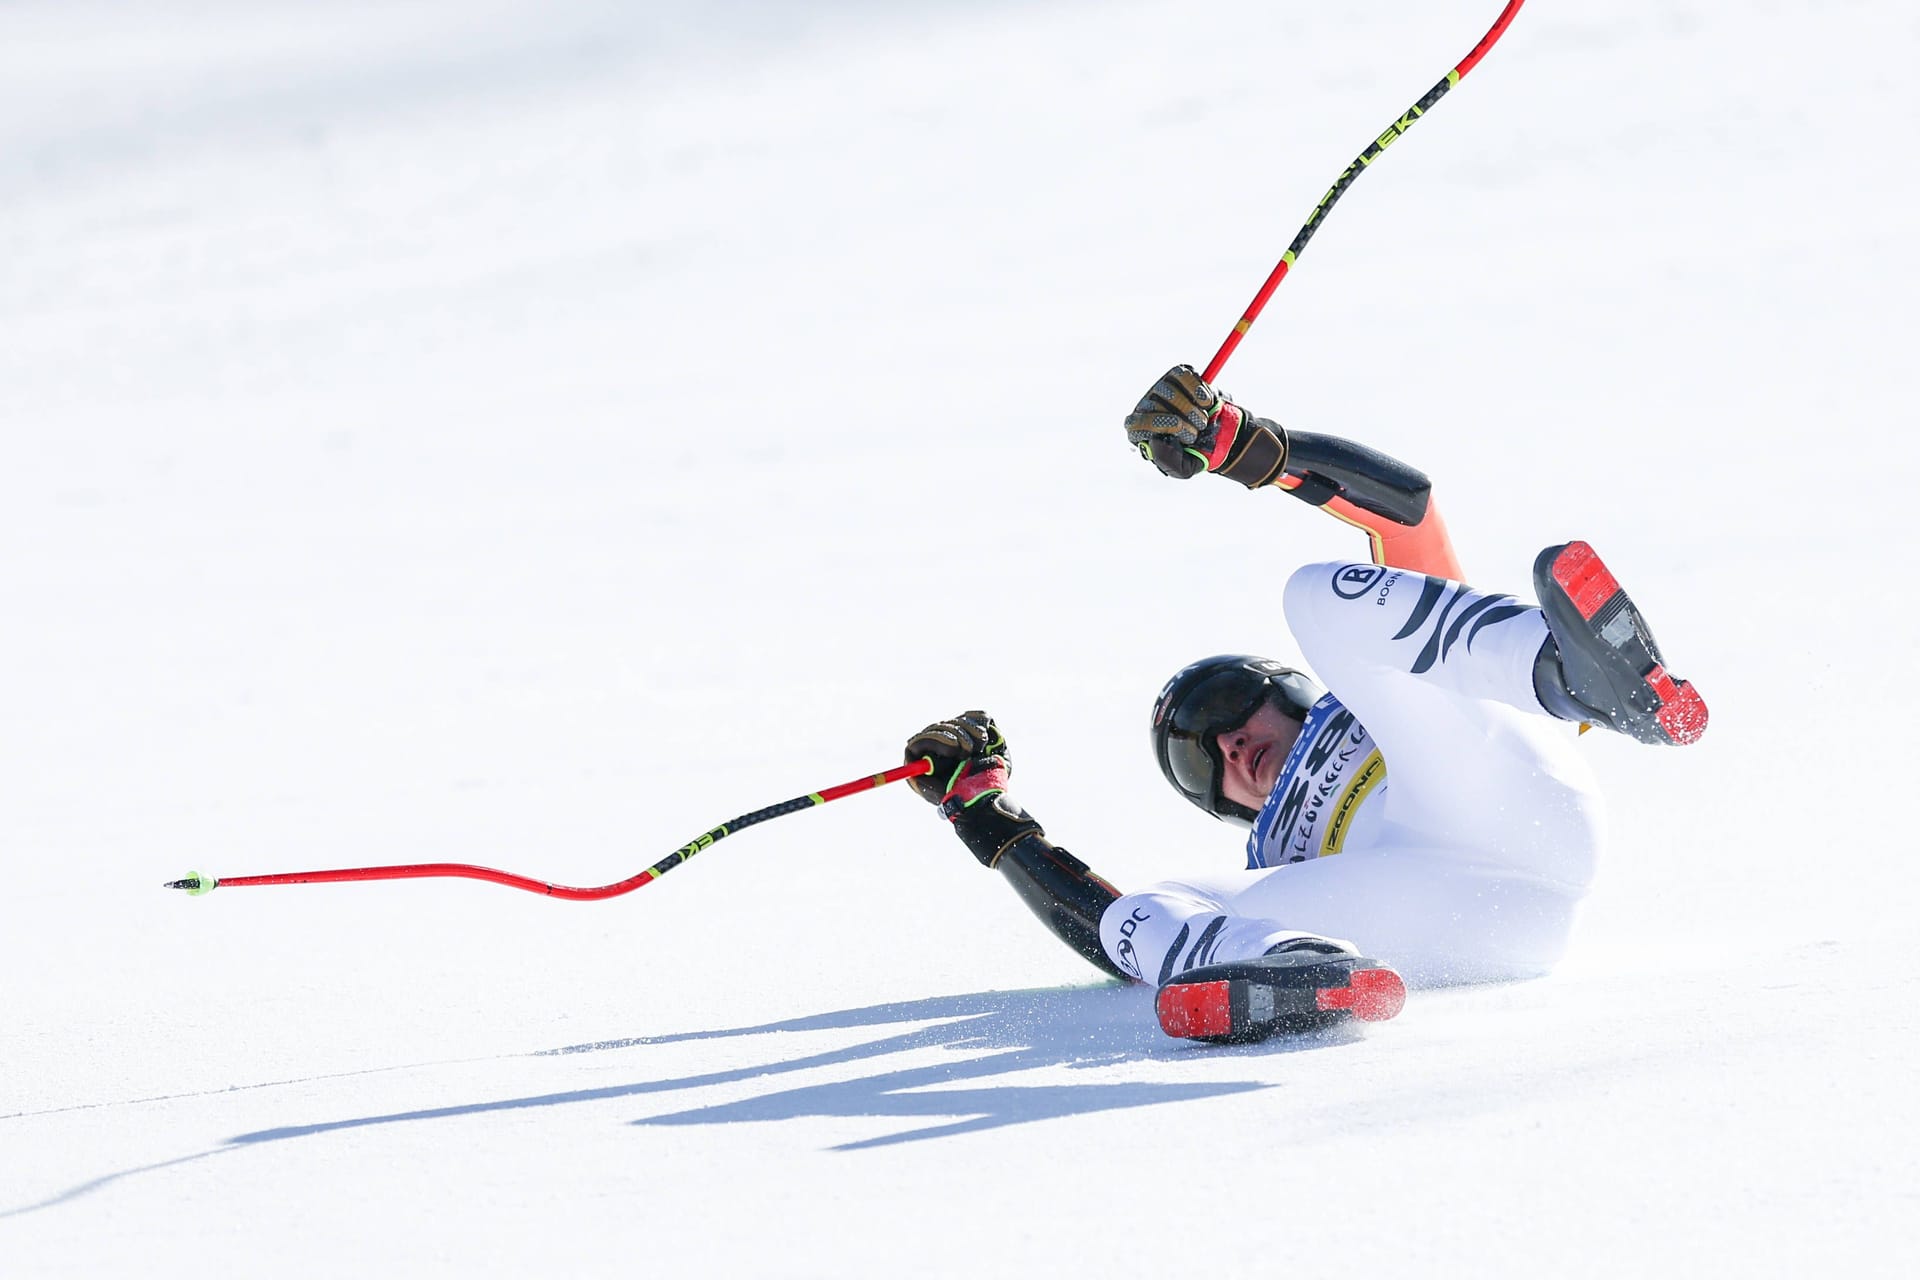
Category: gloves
[969,783]
[1184,427]
[1173,423]
[969,755]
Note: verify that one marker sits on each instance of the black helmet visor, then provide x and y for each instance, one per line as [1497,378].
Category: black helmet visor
[1223,701]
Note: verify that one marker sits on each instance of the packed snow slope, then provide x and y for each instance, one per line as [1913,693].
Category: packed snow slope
[531,434]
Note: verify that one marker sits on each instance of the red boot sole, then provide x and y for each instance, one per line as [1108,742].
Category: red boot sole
[1589,584]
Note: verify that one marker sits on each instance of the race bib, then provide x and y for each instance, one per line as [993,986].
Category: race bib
[1333,768]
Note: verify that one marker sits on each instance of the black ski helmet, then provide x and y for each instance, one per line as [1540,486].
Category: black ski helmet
[1205,698]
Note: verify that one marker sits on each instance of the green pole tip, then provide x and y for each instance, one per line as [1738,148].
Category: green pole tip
[196,884]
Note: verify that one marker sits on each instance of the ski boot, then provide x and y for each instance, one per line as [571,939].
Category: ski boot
[1299,989]
[1603,666]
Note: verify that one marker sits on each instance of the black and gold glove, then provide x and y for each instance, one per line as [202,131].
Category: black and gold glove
[969,783]
[1184,427]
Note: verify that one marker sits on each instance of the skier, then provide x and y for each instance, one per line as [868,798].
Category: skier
[1433,806]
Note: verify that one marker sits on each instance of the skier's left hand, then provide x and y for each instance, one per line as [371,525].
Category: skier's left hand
[970,761]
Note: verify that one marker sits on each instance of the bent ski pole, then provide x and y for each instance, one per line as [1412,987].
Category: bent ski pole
[1354,170]
[197,883]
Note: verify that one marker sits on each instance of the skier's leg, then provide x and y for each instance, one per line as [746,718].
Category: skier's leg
[1433,914]
[1438,915]
[1227,977]
[1175,925]
[1442,676]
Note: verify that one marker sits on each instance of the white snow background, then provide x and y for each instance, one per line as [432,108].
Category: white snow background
[533,433]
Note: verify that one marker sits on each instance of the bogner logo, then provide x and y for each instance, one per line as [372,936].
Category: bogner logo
[1355,581]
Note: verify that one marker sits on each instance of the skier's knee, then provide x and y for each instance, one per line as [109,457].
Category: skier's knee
[1312,587]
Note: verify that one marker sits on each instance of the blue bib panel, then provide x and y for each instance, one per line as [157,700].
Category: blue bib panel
[1333,769]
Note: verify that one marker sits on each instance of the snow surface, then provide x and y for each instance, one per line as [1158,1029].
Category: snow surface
[533,433]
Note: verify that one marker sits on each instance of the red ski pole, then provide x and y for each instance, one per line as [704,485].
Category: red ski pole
[1346,179]
[198,883]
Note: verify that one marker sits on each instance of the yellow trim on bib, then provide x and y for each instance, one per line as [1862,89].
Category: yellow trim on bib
[1372,772]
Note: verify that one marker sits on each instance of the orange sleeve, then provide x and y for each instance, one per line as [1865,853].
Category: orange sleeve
[1420,548]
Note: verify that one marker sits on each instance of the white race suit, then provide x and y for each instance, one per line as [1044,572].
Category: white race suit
[1432,813]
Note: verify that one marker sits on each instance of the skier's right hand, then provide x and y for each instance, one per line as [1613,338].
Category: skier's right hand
[1184,427]
[1176,426]
[969,755]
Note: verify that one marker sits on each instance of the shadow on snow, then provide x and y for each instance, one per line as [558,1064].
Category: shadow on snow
[991,1034]
[1003,1032]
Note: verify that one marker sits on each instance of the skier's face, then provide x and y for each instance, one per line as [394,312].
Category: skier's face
[1251,755]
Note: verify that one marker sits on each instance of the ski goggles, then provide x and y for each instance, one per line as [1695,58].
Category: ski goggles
[1221,703]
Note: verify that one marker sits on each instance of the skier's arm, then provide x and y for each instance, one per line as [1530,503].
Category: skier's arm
[1184,427]
[1059,888]
[1390,500]
[968,782]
